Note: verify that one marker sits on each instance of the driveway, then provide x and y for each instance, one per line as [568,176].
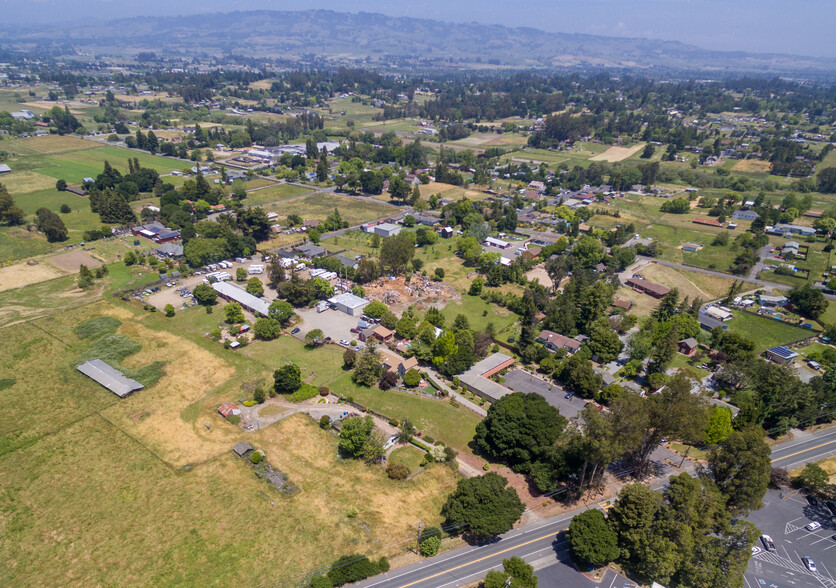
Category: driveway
[520,381]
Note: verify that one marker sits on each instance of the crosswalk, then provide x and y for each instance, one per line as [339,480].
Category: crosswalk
[777,560]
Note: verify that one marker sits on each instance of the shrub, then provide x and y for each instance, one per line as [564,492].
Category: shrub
[234,419]
[486,467]
[322,582]
[250,403]
[429,440]
[65,209]
[305,392]
[429,547]
[257,456]
[325,421]
[397,471]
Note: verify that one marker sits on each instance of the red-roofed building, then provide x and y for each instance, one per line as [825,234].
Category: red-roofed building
[228,409]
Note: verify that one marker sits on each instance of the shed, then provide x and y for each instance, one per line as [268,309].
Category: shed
[227,409]
[242,448]
[687,346]
[781,355]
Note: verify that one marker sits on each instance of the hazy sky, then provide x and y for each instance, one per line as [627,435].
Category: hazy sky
[802,27]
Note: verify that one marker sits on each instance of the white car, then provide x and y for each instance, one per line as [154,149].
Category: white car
[768,543]
[343,342]
[809,564]
[813,526]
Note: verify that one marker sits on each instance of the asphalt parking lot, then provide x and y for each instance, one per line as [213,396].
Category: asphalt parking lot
[334,324]
[520,381]
[784,520]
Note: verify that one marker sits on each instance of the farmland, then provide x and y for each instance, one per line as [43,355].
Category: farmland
[319,206]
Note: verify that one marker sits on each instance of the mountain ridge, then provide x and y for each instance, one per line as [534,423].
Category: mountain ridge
[370,38]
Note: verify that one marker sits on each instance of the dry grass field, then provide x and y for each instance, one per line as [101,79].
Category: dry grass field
[23,182]
[614,154]
[93,489]
[752,166]
[70,261]
[691,284]
[22,274]
[48,145]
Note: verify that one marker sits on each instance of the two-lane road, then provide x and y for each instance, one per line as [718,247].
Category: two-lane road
[810,448]
[545,539]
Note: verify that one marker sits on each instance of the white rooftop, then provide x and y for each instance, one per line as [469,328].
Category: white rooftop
[349,300]
[243,297]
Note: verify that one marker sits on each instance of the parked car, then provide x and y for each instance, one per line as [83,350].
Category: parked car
[294,331]
[813,526]
[768,543]
[569,396]
[343,342]
[809,563]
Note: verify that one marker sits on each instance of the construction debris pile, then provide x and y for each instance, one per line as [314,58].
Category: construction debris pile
[397,291]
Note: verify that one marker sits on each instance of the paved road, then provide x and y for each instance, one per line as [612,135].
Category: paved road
[805,448]
[544,539]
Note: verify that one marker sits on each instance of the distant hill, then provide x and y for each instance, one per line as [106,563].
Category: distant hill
[383,41]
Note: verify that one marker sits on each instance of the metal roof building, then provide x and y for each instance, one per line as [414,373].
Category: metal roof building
[110,378]
[252,303]
[349,303]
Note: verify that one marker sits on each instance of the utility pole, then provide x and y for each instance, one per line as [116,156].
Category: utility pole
[421,526]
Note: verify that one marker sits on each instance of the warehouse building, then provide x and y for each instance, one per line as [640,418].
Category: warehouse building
[349,303]
[109,377]
[255,305]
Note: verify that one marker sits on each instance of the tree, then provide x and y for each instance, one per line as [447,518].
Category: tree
[741,468]
[349,358]
[519,429]
[516,574]
[375,309]
[411,378]
[397,251]
[368,367]
[10,213]
[51,225]
[255,287]
[61,185]
[814,478]
[205,294]
[719,425]
[169,310]
[588,251]
[439,273]
[484,505]
[808,301]
[240,274]
[632,517]
[604,342]
[85,277]
[591,539]
[314,338]
[287,379]
[354,435]
[267,329]
[233,313]
[405,327]
[280,311]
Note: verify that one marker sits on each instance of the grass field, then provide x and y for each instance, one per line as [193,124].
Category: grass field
[17,243]
[409,456]
[274,193]
[72,166]
[436,418]
[474,308]
[765,332]
[47,145]
[65,439]
[319,206]
[691,284]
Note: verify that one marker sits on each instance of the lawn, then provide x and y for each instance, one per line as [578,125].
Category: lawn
[479,313]
[72,166]
[766,332]
[436,418]
[411,457]
[319,206]
[17,243]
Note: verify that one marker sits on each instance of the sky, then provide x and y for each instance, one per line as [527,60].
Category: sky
[800,27]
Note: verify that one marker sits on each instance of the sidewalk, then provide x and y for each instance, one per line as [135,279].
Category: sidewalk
[455,396]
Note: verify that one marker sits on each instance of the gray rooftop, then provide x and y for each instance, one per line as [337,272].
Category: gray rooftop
[243,297]
[241,448]
[487,364]
[110,378]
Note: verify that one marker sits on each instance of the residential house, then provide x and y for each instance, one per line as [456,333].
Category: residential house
[554,341]
[781,355]
[748,215]
[655,290]
[688,346]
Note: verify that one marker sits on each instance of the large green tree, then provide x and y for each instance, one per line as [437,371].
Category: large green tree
[591,539]
[287,379]
[740,468]
[483,506]
[519,428]
[397,251]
